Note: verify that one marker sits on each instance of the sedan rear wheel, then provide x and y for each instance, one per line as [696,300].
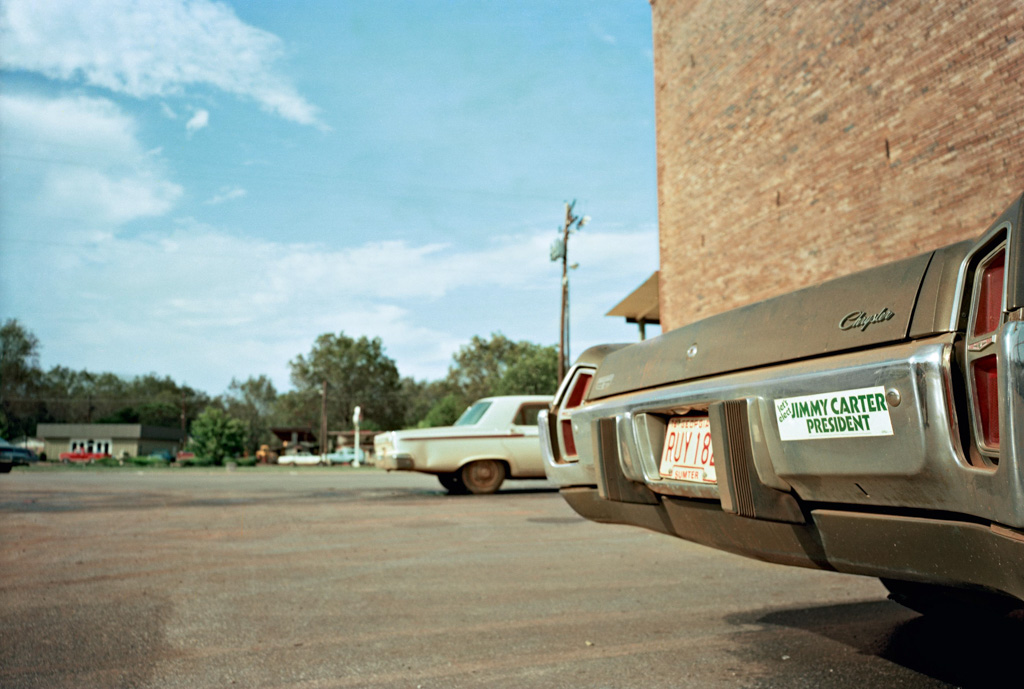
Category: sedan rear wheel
[452,482]
[483,477]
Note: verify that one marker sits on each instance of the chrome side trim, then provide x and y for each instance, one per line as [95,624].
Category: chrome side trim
[650,439]
[954,419]
[1011,408]
[629,455]
[544,432]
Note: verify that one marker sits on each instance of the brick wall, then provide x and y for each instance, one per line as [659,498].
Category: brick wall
[802,141]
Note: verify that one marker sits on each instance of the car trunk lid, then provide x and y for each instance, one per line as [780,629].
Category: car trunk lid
[865,309]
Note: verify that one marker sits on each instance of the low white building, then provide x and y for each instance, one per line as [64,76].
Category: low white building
[114,439]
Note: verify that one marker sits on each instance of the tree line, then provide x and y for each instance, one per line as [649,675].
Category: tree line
[357,372]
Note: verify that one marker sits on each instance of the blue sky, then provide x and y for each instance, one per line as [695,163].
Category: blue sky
[199,189]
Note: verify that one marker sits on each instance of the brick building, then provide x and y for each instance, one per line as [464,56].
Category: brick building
[803,141]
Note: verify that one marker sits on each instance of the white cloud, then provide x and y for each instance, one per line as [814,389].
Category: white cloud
[223,306]
[198,121]
[602,35]
[107,200]
[147,49]
[227,194]
[87,165]
[73,128]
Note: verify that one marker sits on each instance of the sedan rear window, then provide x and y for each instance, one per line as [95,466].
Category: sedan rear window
[527,414]
[472,415]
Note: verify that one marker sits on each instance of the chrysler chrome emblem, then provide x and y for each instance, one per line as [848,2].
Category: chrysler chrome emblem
[861,320]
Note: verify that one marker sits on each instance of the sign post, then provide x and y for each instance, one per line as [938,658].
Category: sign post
[357,416]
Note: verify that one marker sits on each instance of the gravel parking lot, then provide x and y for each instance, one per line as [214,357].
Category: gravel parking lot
[316,577]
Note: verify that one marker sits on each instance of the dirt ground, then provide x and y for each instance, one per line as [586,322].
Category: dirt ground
[315,577]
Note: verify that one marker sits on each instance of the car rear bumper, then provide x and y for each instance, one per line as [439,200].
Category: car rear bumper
[911,505]
[922,464]
[397,462]
[937,550]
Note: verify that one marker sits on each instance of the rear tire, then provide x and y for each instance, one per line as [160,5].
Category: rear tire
[483,477]
[452,483]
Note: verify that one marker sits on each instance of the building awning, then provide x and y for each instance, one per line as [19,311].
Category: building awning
[294,434]
[641,306]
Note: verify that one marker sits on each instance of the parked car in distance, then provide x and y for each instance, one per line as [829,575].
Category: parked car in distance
[872,425]
[300,459]
[12,456]
[82,456]
[346,455]
[494,439]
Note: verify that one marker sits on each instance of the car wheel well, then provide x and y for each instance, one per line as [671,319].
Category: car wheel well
[499,460]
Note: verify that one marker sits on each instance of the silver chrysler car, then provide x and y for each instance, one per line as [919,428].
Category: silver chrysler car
[873,425]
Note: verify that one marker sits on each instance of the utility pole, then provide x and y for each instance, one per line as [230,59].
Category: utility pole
[560,251]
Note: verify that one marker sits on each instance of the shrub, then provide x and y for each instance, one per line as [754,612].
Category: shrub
[147,461]
[217,436]
[196,461]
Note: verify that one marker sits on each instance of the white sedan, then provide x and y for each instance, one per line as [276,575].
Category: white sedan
[295,460]
[496,438]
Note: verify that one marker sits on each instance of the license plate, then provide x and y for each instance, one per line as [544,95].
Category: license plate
[687,455]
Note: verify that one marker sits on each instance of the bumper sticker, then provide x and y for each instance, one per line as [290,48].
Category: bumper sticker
[846,414]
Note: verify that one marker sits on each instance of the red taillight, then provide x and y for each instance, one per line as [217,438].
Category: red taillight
[568,439]
[982,365]
[574,398]
[986,396]
[990,296]
[579,390]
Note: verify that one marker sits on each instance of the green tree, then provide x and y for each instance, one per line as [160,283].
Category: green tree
[498,366]
[445,412]
[20,378]
[148,414]
[534,372]
[83,396]
[299,408]
[420,398]
[253,403]
[157,396]
[28,395]
[357,372]
[478,367]
[217,436]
